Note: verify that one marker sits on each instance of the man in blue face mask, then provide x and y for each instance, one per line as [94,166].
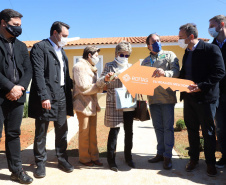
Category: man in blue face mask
[217,29]
[163,101]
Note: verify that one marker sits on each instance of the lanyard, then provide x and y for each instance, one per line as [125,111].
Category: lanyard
[152,62]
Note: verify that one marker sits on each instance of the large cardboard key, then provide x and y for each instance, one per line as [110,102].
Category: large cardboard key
[138,80]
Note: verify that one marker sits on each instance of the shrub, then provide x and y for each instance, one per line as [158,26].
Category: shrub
[25,113]
[201,146]
[180,125]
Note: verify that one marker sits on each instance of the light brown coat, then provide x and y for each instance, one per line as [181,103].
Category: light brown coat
[85,89]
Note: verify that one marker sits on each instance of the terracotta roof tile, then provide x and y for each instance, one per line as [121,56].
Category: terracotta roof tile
[113,40]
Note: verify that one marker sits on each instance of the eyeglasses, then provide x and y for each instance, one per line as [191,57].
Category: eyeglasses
[122,55]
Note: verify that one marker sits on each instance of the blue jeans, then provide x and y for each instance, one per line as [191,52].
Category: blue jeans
[221,124]
[163,119]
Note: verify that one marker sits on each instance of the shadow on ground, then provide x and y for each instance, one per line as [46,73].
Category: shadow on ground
[140,159]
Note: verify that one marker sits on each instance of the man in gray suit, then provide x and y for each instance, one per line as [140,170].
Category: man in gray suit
[50,96]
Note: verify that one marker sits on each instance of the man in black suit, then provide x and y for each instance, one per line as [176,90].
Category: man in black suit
[50,96]
[217,29]
[203,64]
[15,75]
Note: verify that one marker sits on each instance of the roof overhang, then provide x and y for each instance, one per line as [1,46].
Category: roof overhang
[113,46]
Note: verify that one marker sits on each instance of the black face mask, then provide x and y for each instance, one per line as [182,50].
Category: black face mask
[14,30]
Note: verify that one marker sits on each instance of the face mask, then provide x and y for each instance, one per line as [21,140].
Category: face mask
[122,60]
[63,41]
[213,32]
[95,60]
[14,30]
[181,43]
[156,47]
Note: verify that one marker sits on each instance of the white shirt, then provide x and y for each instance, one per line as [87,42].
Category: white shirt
[122,69]
[60,58]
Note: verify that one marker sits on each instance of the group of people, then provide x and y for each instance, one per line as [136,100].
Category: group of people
[51,97]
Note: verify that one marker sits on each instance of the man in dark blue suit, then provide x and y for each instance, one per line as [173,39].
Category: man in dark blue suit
[15,75]
[203,64]
[217,29]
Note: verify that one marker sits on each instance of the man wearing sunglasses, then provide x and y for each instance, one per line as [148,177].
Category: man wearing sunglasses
[163,101]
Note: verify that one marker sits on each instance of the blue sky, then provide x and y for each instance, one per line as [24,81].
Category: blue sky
[118,18]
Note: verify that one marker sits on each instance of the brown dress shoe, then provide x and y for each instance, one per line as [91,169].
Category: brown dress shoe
[97,162]
[156,159]
[167,164]
[87,163]
[191,165]
[211,170]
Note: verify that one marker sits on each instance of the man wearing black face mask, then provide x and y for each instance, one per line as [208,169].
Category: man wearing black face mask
[162,102]
[15,75]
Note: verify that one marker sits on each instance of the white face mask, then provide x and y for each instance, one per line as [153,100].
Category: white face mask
[213,32]
[122,60]
[94,60]
[181,43]
[63,41]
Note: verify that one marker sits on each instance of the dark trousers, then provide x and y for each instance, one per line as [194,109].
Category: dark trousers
[196,114]
[221,124]
[61,130]
[1,124]
[128,142]
[11,114]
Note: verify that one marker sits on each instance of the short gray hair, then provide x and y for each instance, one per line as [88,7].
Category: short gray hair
[123,46]
[190,28]
[219,19]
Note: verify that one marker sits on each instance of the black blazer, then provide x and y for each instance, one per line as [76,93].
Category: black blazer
[207,70]
[222,84]
[46,82]
[23,66]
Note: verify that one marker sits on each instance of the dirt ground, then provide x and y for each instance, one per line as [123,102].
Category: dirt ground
[27,133]
[181,139]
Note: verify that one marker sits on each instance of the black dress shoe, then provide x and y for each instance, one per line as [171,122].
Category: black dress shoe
[156,159]
[22,177]
[167,164]
[40,171]
[65,166]
[131,164]
[113,167]
[211,170]
[191,165]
